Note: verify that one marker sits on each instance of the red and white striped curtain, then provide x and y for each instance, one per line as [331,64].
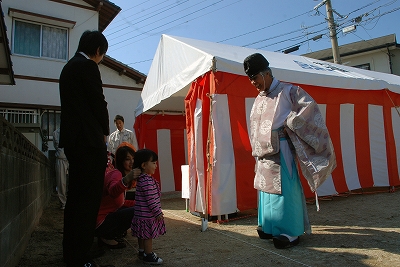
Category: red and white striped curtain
[165,135]
[364,126]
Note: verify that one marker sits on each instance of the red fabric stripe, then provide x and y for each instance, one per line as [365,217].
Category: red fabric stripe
[363,153]
[199,90]
[151,143]
[393,170]
[148,125]
[333,124]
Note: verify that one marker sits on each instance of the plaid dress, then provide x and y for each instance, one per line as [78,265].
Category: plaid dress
[147,208]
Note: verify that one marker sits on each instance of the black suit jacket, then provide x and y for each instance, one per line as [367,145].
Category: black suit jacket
[84,113]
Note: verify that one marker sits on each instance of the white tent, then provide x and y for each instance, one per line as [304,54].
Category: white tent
[179,61]
[359,108]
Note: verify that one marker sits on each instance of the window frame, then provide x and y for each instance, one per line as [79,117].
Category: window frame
[41,40]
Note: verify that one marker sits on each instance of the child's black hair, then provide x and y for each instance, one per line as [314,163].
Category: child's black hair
[142,156]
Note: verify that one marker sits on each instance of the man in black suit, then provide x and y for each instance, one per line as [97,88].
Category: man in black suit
[83,131]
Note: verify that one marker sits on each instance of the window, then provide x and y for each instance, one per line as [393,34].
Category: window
[40,40]
[365,66]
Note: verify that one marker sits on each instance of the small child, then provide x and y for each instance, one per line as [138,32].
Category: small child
[148,221]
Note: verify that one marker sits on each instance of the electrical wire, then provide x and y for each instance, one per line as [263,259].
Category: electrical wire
[117,23]
[341,26]
[149,17]
[343,22]
[127,39]
[274,24]
[280,35]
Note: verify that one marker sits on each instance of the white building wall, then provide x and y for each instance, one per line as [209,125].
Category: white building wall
[396,61]
[50,68]
[31,92]
[39,87]
[378,60]
[120,101]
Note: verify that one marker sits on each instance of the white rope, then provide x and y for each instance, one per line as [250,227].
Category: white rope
[394,105]
[243,241]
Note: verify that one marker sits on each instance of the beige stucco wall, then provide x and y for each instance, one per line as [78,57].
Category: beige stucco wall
[378,60]
[396,61]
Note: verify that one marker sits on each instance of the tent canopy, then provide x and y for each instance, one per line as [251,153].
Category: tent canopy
[207,83]
[179,61]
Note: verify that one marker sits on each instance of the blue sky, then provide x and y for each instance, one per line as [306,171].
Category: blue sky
[263,24]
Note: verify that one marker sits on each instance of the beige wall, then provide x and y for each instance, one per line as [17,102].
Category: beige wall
[378,60]
[396,61]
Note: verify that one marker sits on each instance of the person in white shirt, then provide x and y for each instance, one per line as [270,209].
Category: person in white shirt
[61,169]
[120,135]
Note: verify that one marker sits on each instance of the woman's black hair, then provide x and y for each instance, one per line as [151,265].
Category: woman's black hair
[92,40]
[120,157]
[142,156]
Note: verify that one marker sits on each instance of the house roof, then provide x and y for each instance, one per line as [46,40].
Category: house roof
[123,69]
[357,47]
[107,11]
[6,71]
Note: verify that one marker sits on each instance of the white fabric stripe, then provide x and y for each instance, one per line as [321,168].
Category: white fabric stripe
[185,144]
[192,172]
[198,158]
[185,181]
[378,146]
[248,104]
[347,142]
[165,165]
[396,133]
[224,171]
[327,188]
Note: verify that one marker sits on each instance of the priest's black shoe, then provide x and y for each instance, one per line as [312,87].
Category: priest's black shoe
[282,242]
[263,235]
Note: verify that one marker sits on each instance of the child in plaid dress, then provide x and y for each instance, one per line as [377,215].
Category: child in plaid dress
[148,221]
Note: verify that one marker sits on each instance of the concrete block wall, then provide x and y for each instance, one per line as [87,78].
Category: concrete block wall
[25,189]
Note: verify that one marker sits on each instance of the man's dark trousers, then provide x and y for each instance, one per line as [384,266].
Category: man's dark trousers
[86,177]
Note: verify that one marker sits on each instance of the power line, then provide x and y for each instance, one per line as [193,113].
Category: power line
[274,24]
[117,23]
[349,21]
[343,22]
[149,17]
[169,22]
[166,30]
[280,35]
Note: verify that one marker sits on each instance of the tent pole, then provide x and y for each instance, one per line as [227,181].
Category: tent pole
[204,222]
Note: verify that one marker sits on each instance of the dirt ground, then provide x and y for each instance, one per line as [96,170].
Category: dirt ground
[354,230]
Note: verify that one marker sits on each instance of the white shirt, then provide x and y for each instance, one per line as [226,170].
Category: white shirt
[59,151]
[117,137]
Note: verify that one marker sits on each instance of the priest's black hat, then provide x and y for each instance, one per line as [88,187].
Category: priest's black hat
[254,64]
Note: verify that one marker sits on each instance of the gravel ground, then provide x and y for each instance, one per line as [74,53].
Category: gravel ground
[351,230]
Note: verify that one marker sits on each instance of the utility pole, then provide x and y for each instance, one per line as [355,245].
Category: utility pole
[332,33]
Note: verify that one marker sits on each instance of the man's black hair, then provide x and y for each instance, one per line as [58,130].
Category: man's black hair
[92,40]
